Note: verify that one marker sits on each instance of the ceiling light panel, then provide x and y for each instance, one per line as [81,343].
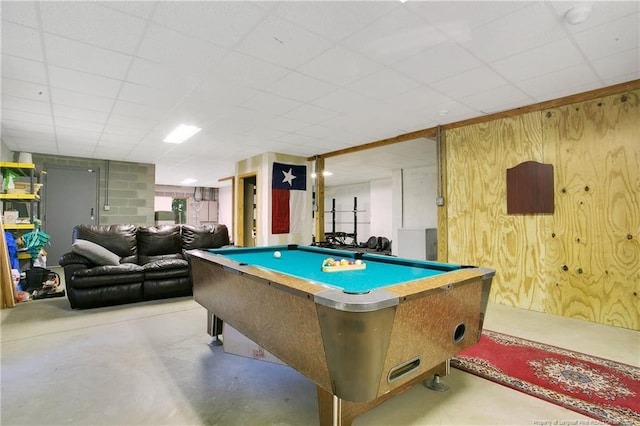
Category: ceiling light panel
[181,133]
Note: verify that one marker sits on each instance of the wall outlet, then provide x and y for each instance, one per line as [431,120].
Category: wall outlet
[107,208]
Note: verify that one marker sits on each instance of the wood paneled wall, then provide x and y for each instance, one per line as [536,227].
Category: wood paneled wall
[582,261]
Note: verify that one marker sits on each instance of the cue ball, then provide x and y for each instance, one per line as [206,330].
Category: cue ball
[277,254]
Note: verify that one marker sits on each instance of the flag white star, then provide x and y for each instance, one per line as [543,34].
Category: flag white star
[288,177]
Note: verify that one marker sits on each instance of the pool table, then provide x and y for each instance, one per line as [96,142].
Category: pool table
[360,335]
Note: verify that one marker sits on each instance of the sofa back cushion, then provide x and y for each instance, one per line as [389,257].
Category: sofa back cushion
[158,242]
[118,239]
[204,236]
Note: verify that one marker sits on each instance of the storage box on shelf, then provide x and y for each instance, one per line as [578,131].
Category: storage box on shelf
[24,191]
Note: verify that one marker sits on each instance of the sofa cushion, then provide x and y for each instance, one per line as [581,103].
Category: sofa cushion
[95,252]
[205,236]
[124,268]
[158,242]
[165,265]
[100,276]
[119,239]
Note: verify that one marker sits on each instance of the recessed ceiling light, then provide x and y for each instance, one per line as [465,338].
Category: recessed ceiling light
[181,133]
[443,112]
[189,181]
[577,15]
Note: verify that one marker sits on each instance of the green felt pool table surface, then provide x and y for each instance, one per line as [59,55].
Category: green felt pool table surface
[305,262]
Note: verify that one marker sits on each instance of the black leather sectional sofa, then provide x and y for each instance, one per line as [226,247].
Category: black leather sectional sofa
[115,264]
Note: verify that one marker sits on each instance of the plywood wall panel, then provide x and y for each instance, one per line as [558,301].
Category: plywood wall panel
[582,261]
[479,230]
[593,258]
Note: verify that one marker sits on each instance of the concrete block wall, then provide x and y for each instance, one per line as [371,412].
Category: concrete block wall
[127,188]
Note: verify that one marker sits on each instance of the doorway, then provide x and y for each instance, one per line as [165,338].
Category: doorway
[71,198]
[247,210]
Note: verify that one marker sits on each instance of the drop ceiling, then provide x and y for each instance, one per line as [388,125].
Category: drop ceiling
[109,80]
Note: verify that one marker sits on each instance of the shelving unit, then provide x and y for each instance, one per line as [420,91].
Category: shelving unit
[23,170]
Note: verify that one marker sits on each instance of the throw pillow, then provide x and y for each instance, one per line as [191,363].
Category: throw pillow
[95,252]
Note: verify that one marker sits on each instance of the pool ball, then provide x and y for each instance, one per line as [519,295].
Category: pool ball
[277,254]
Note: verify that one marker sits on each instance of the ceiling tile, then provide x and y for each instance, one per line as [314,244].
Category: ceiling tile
[333,20]
[136,125]
[85,58]
[41,146]
[310,114]
[22,89]
[80,100]
[21,41]
[20,12]
[420,98]
[116,131]
[539,61]
[23,70]
[280,42]
[439,62]
[39,106]
[395,36]
[384,84]
[169,47]
[240,69]
[79,149]
[92,24]
[619,65]
[270,104]
[143,111]
[529,27]
[456,18]
[28,127]
[602,12]
[159,76]
[223,23]
[141,9]
[469,82]
[339,66]
[565,80]
[621,35]
[343,100]
[150,96]
[26,117]
[300,87]
[75,135]
[497,99]
[621,78]
[219,92]
[82,82]
[119,141]
[82,114]
[284,124]
[29,133]
[78,124]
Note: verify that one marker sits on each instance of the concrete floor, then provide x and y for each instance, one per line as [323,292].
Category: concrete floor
[151,364]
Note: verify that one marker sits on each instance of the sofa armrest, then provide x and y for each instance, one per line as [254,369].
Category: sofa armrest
[71,258]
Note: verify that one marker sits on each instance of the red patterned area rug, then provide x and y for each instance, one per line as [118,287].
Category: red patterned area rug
[599,388]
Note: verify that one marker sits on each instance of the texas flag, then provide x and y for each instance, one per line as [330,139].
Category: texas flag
[288,190]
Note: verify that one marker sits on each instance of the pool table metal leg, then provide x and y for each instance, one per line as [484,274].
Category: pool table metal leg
[338,412]
[214,328]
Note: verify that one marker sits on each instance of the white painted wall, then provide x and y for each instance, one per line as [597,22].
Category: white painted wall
[262,166]
[225,208]
[419,197]
[381,212]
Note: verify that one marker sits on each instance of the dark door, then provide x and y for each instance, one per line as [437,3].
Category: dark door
[71,198]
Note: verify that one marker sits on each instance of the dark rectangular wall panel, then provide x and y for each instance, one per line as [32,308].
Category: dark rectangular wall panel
[530,188]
